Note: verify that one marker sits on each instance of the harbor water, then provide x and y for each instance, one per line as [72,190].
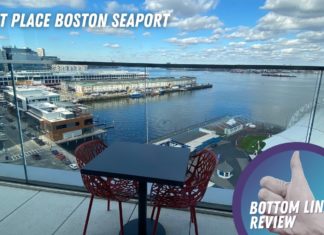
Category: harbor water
[262,98]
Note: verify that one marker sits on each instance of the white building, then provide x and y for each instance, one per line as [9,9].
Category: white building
[40,52]
[55,77]
[125,85]
[225,170]
[232,127]
[195,140]
[61,120]
[68,67]
[30,95]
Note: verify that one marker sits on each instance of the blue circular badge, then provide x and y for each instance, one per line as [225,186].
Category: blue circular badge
[277,187]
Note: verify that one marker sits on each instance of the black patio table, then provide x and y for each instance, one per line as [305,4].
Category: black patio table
[143,163]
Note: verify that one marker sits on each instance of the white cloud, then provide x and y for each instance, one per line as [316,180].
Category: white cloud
[279,23]
[285,16]
[296,8]
[237,44]
[115,7]
[43,3]
[146,34]
[272,51]
[182,33]
[3,37]
[111,45]
[249,34]
[312,36]
[192,40]
[74,33]
[184,8]
[196,23]
[110,31]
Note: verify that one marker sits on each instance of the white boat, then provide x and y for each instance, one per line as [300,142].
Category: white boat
[159,91]
[136,94]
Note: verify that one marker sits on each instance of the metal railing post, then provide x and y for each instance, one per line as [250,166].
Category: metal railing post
[315,104]
[18,121]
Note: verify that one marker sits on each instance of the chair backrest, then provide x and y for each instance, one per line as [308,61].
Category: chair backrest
[202,167]
[87,151]
[84,153]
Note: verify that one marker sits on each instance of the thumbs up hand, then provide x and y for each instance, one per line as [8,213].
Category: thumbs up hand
[273,189]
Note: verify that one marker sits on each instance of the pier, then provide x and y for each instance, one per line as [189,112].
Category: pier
[102,97]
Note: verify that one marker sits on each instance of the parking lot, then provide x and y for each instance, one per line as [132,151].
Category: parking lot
[39,151]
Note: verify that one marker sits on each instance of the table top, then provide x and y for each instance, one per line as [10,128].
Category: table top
[148,162]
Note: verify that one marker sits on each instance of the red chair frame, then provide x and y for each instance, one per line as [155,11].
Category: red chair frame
[200,170]
[110,188]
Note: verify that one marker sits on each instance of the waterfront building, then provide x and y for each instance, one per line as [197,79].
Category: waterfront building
[23,54]
[68,67]
[26,54]
[3,66]
[52,78]
[40,52]
[50,59]
[232,127]
[108,75]
[87,88]
[61,120]
[195,140]
[30,95]
[43,109]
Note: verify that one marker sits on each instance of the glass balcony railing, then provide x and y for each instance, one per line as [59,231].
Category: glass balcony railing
[50,108]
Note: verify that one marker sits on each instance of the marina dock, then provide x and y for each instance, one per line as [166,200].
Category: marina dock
[102,97]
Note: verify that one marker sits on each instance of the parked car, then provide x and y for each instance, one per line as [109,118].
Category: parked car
[67,161]
[36,156]
[60,156]
[38,141]
[74,166]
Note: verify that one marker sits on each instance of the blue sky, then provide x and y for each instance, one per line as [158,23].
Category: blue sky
[200,31]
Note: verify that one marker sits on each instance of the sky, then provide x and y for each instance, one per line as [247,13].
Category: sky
[287,32]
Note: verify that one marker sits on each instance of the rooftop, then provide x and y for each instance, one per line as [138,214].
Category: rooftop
[56,111]
[73,73]
[125,81]
[35,210]
[225,167]
[32,92]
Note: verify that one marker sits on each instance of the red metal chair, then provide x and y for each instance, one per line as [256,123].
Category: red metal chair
[200,169]
[110,188]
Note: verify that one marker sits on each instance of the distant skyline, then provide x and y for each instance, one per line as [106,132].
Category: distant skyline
[285,32]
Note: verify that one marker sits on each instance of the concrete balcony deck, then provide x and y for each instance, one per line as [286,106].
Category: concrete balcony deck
[35,210]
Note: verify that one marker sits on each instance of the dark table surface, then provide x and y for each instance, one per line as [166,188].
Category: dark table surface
[152,163]
[144,163]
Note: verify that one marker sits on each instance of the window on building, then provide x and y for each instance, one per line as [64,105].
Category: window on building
[88,122]
[61,127]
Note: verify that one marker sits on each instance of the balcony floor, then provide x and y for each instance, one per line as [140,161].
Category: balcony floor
[41,211]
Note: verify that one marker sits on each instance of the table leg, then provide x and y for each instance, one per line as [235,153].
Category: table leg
[142,225]
[142,201]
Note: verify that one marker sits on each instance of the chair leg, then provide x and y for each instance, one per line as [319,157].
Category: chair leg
[88,215]
[156,220]
[153,211]
[121,218]
[194,219]
[108,204]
